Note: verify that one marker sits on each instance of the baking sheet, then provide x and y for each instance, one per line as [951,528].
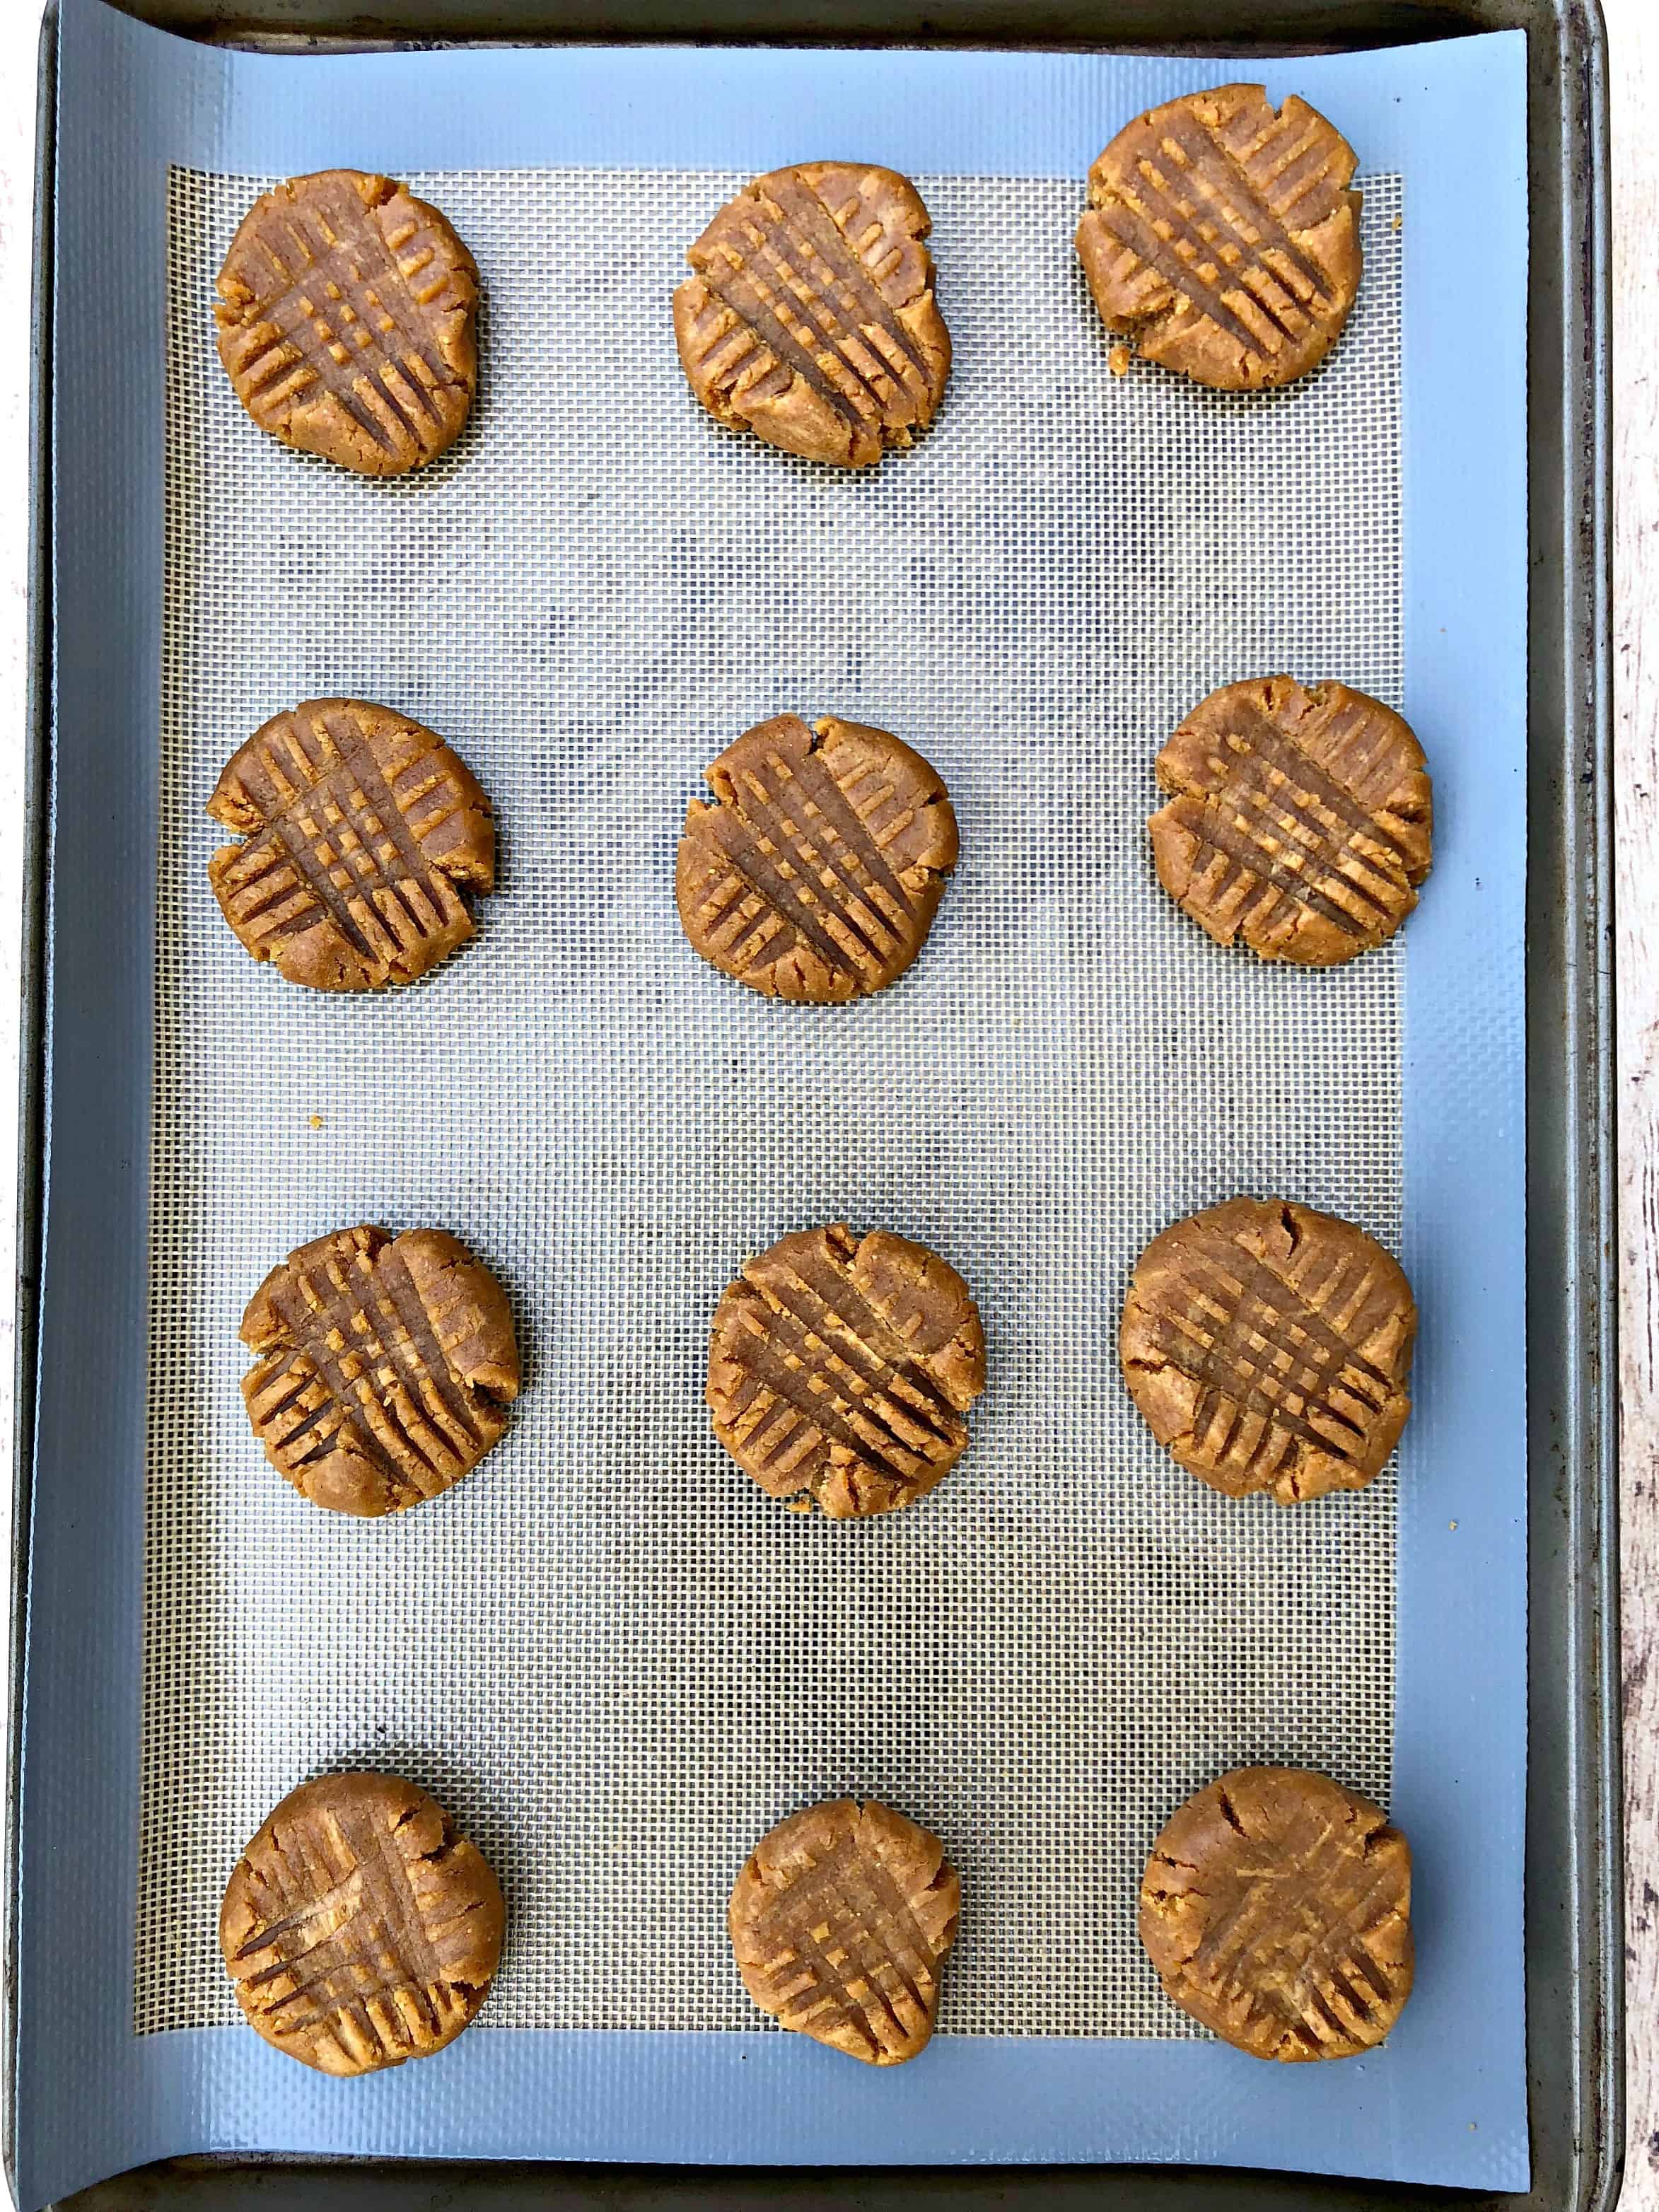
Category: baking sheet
[983,2096]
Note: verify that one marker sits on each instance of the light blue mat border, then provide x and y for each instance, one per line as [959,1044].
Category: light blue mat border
[1445,2102]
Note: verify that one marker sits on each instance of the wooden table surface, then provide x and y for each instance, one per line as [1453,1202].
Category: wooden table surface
[1634,28]
[1633,31]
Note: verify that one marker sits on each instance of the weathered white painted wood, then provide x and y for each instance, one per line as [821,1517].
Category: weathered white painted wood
[1633,29]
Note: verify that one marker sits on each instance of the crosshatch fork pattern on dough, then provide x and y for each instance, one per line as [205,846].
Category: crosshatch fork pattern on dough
[612,1660]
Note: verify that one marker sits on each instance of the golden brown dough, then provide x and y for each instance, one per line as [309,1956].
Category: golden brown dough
[1223,237]
[385,1367]
[346,321]
[840,1367]
[842,1922]
[817,872]
[810,317]
[361,827]
[1276,1908]
[1268,1347]
[1301,820]
[359,1929]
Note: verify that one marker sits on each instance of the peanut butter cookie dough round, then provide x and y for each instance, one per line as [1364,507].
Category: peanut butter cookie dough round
[816,873]
[358,1928]
[346,322]
[810,317]
[1276,1909]
[1223,238]
[1268,1347]
[842,1922]
[1301,823]
[386,1365]
[362,832]
[840,1368]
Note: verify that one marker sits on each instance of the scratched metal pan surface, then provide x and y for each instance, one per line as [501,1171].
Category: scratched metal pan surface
[1574,1948]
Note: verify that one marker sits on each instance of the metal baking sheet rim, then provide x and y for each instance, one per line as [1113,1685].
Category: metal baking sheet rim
[1574,1948]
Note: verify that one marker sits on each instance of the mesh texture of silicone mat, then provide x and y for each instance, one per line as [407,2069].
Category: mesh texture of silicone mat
[612,1659]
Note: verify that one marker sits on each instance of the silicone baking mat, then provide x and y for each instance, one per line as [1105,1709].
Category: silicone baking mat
[604,1651]
[610,1659]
